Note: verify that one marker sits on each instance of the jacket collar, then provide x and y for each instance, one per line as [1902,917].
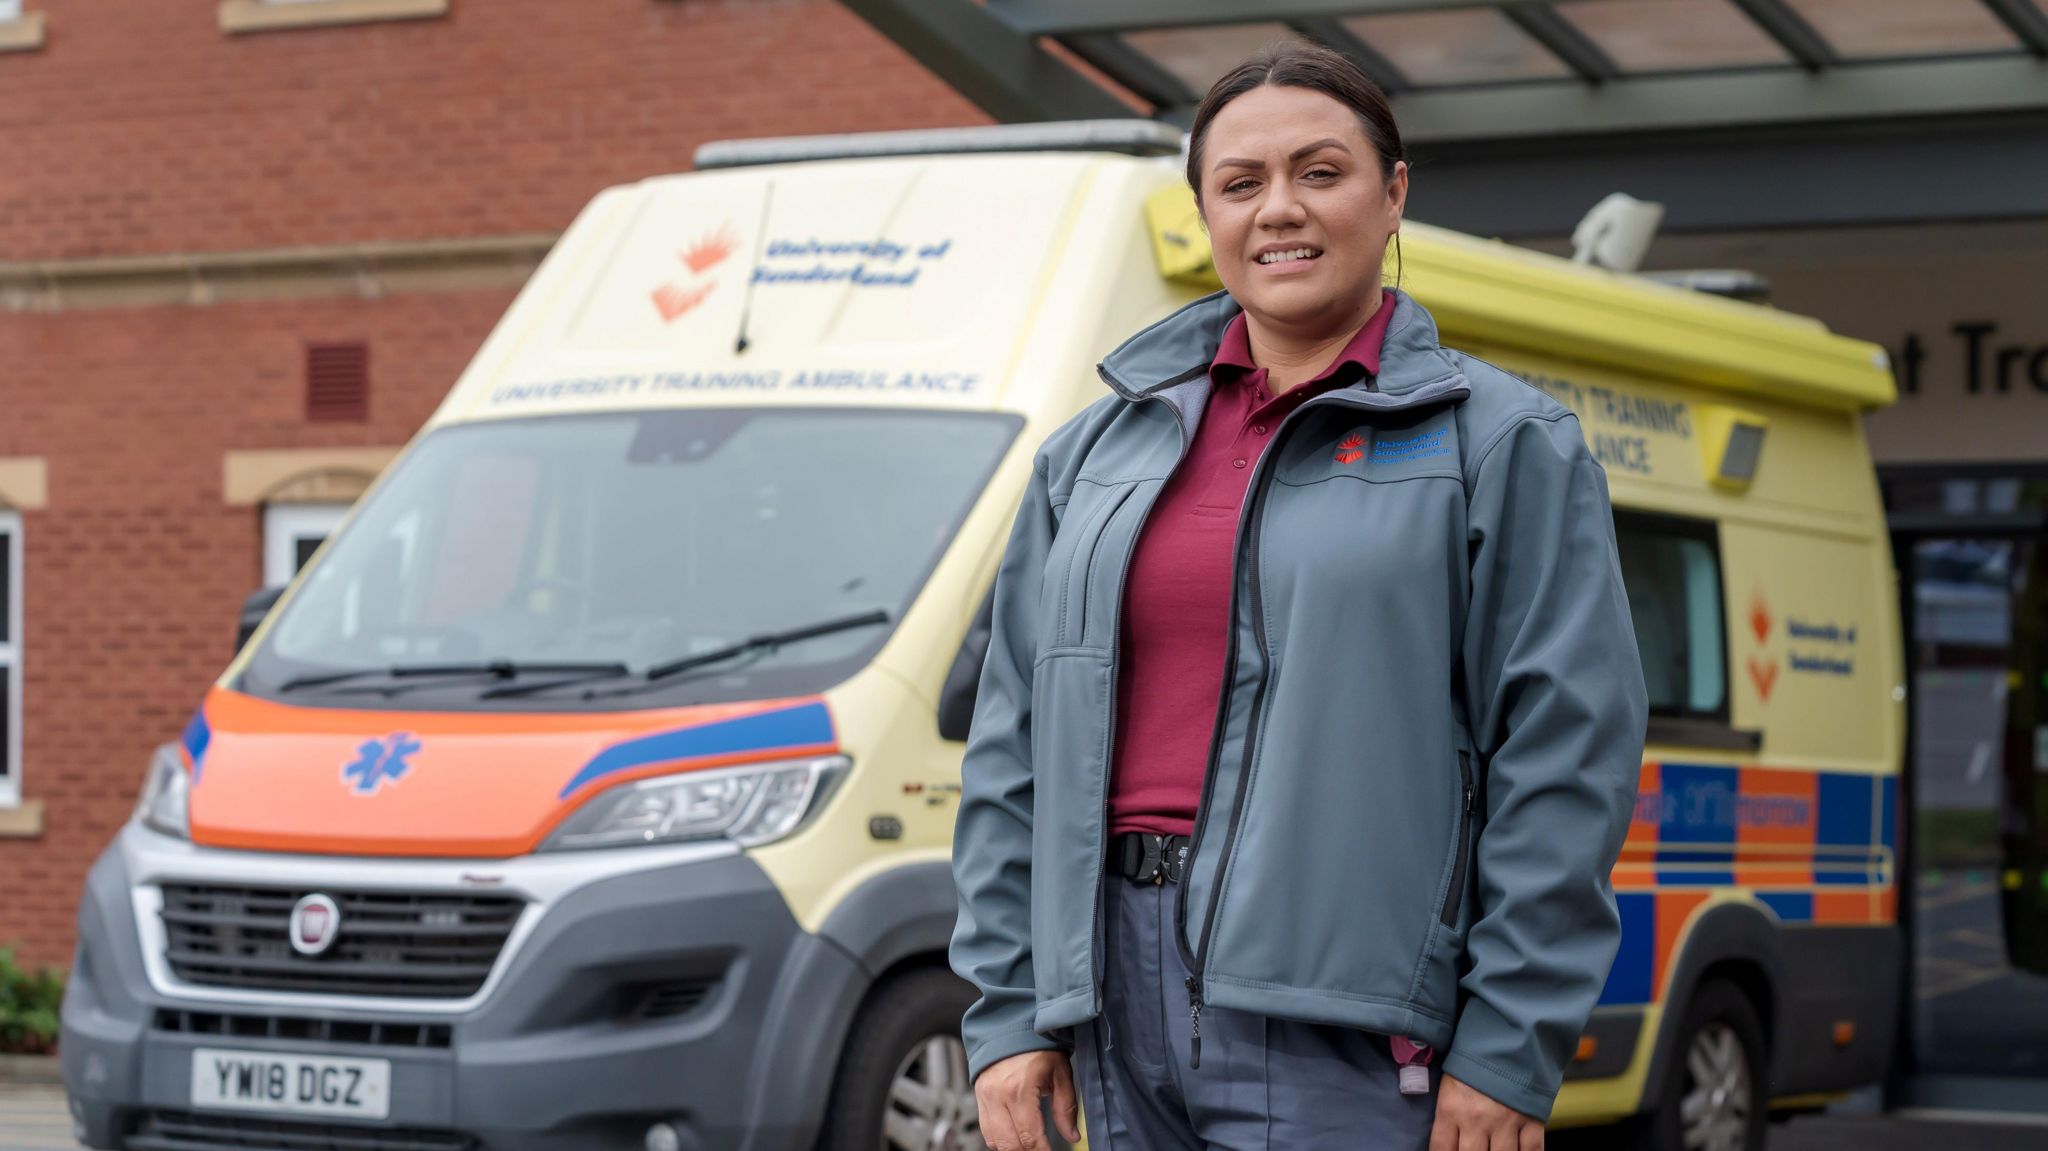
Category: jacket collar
[1179,349]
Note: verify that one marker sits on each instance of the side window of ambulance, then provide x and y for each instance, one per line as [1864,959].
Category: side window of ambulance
[1672,569]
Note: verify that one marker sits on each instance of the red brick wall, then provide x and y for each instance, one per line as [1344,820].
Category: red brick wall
[142,128]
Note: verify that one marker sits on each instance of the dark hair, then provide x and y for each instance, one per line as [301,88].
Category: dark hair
[1297,64]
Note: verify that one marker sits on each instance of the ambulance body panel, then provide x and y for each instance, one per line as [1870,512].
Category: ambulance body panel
[765,397]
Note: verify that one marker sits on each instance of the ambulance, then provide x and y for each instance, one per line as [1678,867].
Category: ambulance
[593,787]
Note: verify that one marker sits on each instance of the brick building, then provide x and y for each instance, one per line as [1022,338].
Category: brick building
[245,245]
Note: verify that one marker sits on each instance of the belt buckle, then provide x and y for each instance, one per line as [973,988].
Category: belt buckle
[1152,869]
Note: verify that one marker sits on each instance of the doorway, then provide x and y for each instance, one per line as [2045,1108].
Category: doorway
[1972,552]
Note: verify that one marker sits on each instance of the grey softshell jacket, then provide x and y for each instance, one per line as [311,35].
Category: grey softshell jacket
[1426,747]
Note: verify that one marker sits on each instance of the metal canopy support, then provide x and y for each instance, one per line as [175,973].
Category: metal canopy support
[2026,20]
[1791,31]
[1002,71]
[1564,41]
[1331,34]
[1133,69]
[1067,17]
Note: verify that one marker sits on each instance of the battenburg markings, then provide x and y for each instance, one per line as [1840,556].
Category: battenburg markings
[807,725]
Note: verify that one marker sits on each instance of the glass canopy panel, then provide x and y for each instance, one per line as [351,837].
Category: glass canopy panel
[1861,29]
[1457,46]
[1199,56]
[1673,35]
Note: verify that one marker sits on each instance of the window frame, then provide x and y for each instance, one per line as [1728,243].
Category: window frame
[285,524]
[22,32]
[10,657]
[1686,726]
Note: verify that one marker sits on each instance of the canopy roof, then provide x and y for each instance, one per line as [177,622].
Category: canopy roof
[1855,111]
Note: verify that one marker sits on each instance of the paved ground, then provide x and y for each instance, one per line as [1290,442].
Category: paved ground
[1974,1013]
[32,1118]
[1863,1133]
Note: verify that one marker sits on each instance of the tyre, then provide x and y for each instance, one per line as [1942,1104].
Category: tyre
[1715,1094]
[902,1080]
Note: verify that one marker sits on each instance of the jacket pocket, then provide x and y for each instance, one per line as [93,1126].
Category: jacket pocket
[1454,891]
[1076,553]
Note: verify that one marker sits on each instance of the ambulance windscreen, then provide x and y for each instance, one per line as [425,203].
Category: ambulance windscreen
[633,538]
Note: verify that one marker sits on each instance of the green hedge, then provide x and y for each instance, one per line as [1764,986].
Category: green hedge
[28,1007]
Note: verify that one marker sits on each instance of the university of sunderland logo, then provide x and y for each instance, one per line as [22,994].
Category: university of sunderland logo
[673,298]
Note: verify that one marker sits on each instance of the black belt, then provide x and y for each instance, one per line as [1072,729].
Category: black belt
[1142,857]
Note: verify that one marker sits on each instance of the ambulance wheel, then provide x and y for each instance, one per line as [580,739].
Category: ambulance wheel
[1715,1095]
[902,1081]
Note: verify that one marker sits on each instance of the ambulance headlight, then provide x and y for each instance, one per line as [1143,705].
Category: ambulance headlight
[750,805]
[166,792]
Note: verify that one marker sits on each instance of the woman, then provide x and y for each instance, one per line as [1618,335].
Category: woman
[1313,714]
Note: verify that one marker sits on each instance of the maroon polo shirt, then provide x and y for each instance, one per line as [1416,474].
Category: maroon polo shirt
[1176,611]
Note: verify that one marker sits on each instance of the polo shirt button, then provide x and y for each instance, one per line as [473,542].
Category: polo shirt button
[1237,463]
[1259,428]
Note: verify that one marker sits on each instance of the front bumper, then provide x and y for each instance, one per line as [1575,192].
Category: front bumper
[562,1048]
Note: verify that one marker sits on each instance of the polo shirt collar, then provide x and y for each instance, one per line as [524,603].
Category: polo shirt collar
[1233,362]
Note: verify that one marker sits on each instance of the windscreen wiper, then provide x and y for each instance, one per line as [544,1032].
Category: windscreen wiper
[590,674]
[496,668]
[764,642]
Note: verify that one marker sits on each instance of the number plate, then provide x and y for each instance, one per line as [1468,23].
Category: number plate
[294,1084]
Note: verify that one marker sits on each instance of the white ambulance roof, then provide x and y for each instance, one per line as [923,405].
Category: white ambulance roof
[893,281]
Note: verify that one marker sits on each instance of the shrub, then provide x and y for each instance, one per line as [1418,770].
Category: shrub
[28,1007]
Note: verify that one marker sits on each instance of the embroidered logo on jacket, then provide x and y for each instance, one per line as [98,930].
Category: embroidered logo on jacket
[1420,446]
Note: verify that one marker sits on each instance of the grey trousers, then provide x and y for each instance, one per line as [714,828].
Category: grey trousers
[1264,1083]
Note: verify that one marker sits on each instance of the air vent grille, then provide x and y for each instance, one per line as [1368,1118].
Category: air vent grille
[338,382]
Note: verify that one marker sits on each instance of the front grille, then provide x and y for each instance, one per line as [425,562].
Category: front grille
[184,1131]
[411,946]
[360,1032]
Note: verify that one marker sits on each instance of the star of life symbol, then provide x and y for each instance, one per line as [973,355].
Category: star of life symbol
[673,299]
[380,761]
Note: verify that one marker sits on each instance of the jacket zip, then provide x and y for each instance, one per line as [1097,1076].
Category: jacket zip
[1115,641]
[1248,532]
[1455,895]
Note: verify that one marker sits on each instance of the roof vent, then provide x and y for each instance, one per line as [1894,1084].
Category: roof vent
[338,382]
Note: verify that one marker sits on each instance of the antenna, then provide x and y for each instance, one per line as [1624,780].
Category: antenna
[747,294]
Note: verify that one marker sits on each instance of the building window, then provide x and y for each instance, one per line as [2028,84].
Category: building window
[10,659]
[1672,569]
[292,533]
[19,31]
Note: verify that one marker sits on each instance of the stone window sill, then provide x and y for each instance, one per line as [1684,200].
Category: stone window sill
[23,33]
[22,822]
[258,16]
